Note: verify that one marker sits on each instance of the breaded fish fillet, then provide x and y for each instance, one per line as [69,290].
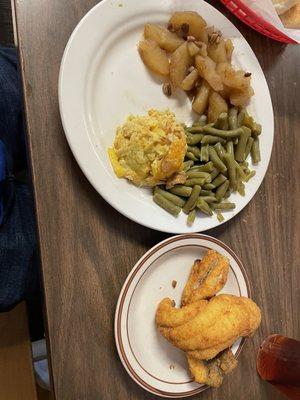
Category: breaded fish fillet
[212,372]
[169,316]
[223,320]
[207,277]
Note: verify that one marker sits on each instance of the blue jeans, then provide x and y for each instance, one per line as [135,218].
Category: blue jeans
[19,266]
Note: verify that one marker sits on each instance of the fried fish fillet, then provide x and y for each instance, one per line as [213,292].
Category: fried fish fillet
[207,277]
[224,319]
[205,327]
[210,352]
[169,316]
[212,372]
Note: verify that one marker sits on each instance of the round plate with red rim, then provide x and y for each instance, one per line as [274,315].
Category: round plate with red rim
[149,359]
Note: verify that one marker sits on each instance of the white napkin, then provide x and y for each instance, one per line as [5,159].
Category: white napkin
[266,9]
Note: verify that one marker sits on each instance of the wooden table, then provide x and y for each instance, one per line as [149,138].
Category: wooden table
[87,248]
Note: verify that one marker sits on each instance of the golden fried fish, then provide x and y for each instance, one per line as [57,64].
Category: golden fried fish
[207,277]
[206,325]
[224,319]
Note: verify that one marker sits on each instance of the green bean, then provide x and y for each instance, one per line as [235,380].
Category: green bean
[248,120]
[198,128]
[191,156]
[203,206]
[222,133]
[241,117]
[220,150]
[222,189]
[219,180]
[195,150]
[235,141]
[208,186]
[209,199]
[204,154]
[240,173]
[208,167]
[194,139]
[194,129]
[212,139]
[224,124]
[216,160]
[188,165]
[221,121]
[245,169]
[256,130]
[198,174]
[203,120]
[178,201]
[192,200]
[223,206]
[205,192]
[255,151]
[166,204]
[220,217]
[254,126]
[231,170]
[180,190]
[230,148]
[191,217]
[195,181]
[232,118]
[248,147]
[214,173]
[241,146]
[227,194]
[241,188]
[250,175]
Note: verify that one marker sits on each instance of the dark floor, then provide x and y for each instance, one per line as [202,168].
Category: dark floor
[6,29]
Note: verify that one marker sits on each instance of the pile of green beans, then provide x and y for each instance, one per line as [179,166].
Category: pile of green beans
[215,165]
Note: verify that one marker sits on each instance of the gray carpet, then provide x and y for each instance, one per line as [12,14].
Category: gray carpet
[6,29]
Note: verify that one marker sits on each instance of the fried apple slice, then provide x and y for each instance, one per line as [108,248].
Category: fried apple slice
[235,79]
[201,99]
[207,70]
[166,40]
[216,106]
[154,57]
[217,51]
[229,49]
[180,62]
[196,24]
[193,49]
[189,81]
[241,98]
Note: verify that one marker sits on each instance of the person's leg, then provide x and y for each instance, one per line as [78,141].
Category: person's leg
[18,250]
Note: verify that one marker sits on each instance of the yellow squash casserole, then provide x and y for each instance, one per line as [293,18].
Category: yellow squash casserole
[148,149]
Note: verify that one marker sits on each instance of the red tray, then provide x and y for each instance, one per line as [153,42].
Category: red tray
[245,14]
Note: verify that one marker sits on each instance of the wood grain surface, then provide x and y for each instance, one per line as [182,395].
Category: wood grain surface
[16,369]
[87,248]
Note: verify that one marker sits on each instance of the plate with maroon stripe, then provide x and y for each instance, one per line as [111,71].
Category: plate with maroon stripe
[151,361]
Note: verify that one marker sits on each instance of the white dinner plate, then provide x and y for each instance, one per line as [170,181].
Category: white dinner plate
[103,80]
[149,359]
